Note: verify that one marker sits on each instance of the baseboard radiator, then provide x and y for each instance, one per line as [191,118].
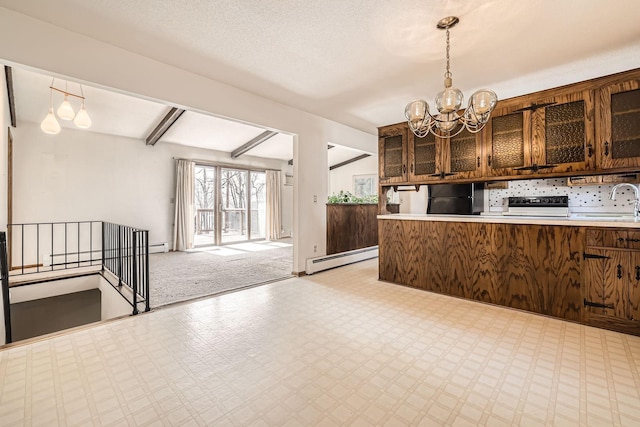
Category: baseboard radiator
[159,248]
[315,265]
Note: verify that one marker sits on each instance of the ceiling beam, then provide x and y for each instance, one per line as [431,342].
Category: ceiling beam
[164,125]
[253,143]
[346,162]
[329,147]
[8,72]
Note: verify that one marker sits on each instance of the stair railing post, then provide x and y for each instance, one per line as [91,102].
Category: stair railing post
[146,270]
[4,273]
[103,245]
[134,272]
[119,255]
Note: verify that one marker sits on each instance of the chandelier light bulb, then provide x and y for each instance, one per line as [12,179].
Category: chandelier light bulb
[50,125]
[449,100]
[65,111]
[82,120]
[483,101]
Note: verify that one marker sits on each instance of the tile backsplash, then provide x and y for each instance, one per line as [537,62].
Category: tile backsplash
[588,198]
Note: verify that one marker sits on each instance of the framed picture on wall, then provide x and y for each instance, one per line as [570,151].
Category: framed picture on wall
[364,185]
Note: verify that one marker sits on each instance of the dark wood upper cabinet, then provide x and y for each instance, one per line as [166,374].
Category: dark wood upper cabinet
[553,135]
[392,154]
[462,156]
[586,128]
[508,142]
[424,155]
[563,134]
[619,125]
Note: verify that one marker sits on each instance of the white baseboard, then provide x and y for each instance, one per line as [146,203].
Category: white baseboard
[158,248]
[326,262]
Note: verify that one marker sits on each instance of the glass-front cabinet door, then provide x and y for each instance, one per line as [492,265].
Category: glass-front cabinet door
[462,157]
[508,136]
[423,155]
[619,133]
[563,133]
[392,153]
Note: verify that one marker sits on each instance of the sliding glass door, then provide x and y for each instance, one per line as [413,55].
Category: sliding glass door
[205,202]
[230,205]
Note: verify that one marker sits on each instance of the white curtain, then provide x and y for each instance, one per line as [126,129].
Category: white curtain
[274,210]
[183,220]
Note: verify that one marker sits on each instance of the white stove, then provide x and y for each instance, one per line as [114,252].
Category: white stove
[553,206]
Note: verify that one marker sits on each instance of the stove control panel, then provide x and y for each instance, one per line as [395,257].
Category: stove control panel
[539,201]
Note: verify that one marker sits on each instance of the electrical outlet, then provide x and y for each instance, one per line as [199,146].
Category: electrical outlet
[315,248]
[315,199]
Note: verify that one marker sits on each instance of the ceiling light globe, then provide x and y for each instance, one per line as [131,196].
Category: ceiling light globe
[65,111]
[449,100]
[444,122]
[50,125]
[483,101]
[82,120]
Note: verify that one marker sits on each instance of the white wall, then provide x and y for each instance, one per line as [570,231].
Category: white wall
[5,122]
[78,175]
[34,43]
[342,177]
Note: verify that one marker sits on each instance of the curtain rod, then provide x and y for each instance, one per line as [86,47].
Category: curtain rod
[229,165]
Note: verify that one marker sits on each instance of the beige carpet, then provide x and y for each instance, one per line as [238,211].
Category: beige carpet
[181,276]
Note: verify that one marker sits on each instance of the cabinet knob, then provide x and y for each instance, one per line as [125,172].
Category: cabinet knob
[489,160]
[606,148]
[411,167]
[619,271]
[589,150]
[404,168]
[478,161]
[637,272]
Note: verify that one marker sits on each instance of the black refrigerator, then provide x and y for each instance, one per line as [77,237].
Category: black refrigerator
[456,199]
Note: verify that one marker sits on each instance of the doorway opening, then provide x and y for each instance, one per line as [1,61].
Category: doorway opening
[230,205]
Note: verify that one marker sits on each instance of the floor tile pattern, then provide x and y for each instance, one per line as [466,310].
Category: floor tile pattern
[337,348]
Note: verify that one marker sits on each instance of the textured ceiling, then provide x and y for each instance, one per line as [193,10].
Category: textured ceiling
[360,61]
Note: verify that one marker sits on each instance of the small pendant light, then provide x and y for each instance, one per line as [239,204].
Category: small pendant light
[50,125]
[82,120]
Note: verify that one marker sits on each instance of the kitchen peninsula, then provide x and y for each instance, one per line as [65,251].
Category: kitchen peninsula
[581,269]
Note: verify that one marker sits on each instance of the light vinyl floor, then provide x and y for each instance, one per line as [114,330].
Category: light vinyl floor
[336,348]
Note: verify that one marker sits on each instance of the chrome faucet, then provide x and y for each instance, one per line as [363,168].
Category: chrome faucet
[636,205]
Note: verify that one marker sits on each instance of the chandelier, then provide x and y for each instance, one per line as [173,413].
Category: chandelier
[449,122]
[65,111]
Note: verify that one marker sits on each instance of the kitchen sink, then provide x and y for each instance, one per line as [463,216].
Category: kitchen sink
[604,216]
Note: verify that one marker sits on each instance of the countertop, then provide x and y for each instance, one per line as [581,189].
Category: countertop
[577,220]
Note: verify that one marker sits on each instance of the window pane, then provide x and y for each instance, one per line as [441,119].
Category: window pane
[234,205]
[204,206]
[258,204]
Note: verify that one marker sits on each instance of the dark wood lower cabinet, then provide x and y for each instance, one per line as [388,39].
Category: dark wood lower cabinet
[530,267]
[612,280]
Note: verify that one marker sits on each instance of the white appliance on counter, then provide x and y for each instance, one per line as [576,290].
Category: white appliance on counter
[552,206]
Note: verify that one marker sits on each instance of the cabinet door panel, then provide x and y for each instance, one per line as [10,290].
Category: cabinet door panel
[594,281]
[619,143]
[463,158]
[563,134]
[616,279]
[507,142]
[634,288]
[423,158]
[392,154]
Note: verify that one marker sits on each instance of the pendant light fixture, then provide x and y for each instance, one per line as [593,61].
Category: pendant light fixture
[448,122]
[50,125]
[82,120]
[65,111]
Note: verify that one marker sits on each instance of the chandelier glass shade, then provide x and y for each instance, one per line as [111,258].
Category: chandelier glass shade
[449,121]
[65,111]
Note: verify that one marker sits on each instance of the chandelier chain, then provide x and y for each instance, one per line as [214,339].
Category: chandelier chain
[447,74]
